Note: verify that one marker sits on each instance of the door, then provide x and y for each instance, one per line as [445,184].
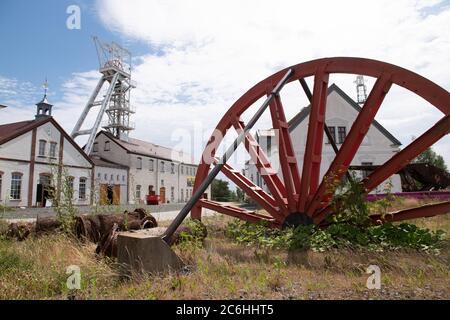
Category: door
[162,194]
[103,194]
[116,195]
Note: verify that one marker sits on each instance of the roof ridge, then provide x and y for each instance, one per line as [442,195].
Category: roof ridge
[299,117]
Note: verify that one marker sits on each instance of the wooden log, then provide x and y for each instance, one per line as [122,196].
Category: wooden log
[20,230]
[47,224]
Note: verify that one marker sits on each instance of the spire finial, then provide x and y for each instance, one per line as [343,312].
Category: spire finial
[45,86]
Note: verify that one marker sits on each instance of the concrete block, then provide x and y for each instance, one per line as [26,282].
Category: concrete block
[145,251]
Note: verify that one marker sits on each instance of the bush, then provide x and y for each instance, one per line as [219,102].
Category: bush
[191,233]
[374,238]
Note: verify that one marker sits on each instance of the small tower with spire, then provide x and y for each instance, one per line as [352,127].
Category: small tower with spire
[44,109]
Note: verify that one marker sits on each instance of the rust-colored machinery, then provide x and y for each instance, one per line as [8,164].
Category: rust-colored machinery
[301,197]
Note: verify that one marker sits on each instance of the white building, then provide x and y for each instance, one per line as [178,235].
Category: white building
[34,155]
[378,146]
[111,182]
[151,169]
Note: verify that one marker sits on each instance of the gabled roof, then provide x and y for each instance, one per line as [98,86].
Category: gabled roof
[10,130]
[149,149]
[299,117]
[13,130]
[102,162]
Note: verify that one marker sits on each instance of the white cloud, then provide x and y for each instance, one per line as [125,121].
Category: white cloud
[205,54]
[211,52]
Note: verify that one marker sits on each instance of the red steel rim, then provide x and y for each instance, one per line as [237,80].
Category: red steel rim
[305,193]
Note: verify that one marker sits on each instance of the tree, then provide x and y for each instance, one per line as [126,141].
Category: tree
[240,195]
[220,190]
[431,157]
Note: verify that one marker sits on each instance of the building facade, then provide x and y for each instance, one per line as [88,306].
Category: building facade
[378,146]
[36,157]
[152,169]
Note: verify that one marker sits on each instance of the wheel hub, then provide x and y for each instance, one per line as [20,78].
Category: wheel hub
[297,219]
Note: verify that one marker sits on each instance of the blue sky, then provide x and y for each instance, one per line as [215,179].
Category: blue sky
[195,58]
[36,42]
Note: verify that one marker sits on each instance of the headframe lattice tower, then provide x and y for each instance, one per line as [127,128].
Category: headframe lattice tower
[361,89]
[115,67]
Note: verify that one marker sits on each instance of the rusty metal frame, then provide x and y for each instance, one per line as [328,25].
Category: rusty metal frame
[305,194]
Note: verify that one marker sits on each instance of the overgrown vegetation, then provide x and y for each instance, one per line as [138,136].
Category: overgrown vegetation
[192,234]
[62,197]
[221,269]
[350,227]
[374,238]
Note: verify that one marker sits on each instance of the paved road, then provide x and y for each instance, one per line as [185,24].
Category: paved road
[159,216]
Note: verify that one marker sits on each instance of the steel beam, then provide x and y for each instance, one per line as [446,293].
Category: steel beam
[314,142]
[198,194]
[352,142]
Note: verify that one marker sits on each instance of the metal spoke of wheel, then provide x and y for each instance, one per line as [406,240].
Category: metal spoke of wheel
[304,198]
[314,142]
[288,161]
[264,167]
[351,144]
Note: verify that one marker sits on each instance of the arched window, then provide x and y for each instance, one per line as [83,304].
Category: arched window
[53,149]
[16,185]
[151,165]
[139,163]
[138,192]
[82,189]
[42,147]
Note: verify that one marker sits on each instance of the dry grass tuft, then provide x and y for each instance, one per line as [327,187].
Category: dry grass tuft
[35,269]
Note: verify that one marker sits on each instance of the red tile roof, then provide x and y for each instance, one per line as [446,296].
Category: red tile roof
[11,129]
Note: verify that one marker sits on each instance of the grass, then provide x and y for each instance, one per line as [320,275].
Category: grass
[221,269]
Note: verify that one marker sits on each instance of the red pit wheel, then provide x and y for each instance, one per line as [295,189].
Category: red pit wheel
[300,197]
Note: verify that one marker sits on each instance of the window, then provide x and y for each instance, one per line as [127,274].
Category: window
[182,169]
[172,194]
[82,189]
[52,149]
[107,146]
[139,163]
[333,133]
[95,147]
[172,168]
[151,165]
[341,134]
[16,185]
[269,144]
[182,195]
[123,178]
[99,175]
[106,177]
[112,178]
[251,177]
[118,177]
[138,192]
[42,145]
[70,184]
[162,166]
[365,173]
[162,183]
[1,178]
